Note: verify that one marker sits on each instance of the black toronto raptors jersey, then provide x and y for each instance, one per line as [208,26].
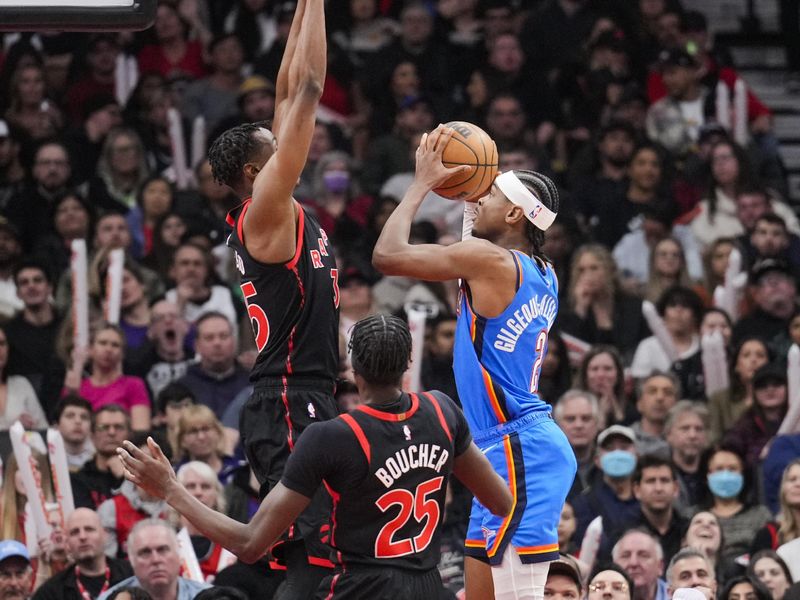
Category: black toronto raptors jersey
[389,490]
[293,306]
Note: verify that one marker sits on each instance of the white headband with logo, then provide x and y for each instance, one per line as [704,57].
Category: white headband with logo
[536,212]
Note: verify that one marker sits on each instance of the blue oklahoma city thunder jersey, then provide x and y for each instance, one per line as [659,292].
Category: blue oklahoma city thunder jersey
[497,361]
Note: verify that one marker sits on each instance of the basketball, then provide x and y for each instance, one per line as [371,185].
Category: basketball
[470,145]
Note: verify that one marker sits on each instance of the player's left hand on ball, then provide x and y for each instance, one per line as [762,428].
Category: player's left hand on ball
[151,470]
[430,170]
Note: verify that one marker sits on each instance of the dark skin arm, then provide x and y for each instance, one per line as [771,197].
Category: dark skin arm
[488,268]
[474,471]
[270,222]
[153,473]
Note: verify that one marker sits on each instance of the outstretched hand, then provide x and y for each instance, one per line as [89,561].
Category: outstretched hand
[151,470]
[430,170]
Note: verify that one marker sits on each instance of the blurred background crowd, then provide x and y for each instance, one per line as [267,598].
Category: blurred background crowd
[674,197]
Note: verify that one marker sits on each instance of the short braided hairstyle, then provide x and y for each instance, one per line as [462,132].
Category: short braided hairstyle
[545,190]
[380,348]
[232,150]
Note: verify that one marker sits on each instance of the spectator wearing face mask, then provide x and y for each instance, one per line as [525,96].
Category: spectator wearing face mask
[612,497]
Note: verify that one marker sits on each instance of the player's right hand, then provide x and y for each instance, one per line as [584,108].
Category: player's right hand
[151,470]
[430,171]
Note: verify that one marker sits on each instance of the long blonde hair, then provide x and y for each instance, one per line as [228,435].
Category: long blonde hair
[192,415]
[14,502]
[787,516]
[656,284]
[603,256]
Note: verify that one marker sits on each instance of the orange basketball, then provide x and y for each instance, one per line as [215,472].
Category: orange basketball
[470,145]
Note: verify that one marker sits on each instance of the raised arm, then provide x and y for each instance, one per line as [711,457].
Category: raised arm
[282,90]
[153,473]
[393,255]
[269,224]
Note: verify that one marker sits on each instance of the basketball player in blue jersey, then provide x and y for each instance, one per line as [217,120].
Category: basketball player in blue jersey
[509,300]
[289,282]
[386,463]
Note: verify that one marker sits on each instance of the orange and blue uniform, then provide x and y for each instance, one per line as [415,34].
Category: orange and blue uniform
[497,363]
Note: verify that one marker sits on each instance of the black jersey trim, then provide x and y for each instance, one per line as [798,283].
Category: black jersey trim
[439,414]
[360,436]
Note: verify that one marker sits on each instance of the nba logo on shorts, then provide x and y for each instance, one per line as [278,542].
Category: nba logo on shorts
[312,412]
[407,432]
[488,535]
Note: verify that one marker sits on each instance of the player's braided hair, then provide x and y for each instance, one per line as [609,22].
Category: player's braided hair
[232,150]
[545,190]
[380,348]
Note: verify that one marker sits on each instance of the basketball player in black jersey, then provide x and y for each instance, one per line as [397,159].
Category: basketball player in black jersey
[387,476]
[289,282]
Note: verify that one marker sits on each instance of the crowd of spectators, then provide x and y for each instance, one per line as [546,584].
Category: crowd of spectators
[683,479]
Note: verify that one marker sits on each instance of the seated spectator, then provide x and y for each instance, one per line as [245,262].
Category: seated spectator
[786,526]
[681,310]
[16,575]
[168,232]
[194,292]
[782,452]
[166,355]
[33,330]
[156,564]
[200,437]
[217,377]
[771,570]
[686,432]
[690,568]
[657,394]
[744,587]
[99,477]
[655,487]
[577,413]
[200,480]
[18,401]
[612,496]
[564,580]
[566,530]
[555,377]
[704,533]
[155,199]
[437,362]
[173,54]
[715,216]
[691,371]
[773,288]
[715,263]
[134,315]
[641,557]
[759,423]
[74,422]
[73,218]
[242,494]
[754,203]
[611,581]
[129,505]
[666,123]
[727,495]
[727,406]
[597,311]
[601,373]
[121,171]
[29,108]
[10,255]
[15,498]
[214,97]
[170,404]
[92,573]
[107,384]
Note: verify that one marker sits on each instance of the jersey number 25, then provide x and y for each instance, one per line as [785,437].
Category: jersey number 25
[417,504]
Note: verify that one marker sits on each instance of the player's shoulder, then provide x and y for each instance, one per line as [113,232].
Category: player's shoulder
[448,406]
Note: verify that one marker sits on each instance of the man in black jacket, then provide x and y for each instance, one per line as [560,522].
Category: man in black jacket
[93,573]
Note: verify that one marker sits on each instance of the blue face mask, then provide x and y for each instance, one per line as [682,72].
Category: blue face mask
[336,182]
[618,463]
[725,484]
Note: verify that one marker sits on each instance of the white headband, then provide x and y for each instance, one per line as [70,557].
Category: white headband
[536,212]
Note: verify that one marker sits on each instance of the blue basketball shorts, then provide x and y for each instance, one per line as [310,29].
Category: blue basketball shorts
[534,457]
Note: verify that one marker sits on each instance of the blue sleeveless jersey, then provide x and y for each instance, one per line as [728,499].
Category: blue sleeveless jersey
[497,361]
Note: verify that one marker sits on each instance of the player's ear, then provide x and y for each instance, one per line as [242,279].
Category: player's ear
[251,171]
[514,214]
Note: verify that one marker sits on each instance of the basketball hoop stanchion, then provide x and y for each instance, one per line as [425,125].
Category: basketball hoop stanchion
[78,15]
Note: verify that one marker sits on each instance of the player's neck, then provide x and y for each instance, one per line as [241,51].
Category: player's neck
[379,394]
[512,240]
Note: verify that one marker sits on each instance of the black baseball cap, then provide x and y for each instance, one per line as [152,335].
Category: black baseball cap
[676,57]
[769,265]
[769,373]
